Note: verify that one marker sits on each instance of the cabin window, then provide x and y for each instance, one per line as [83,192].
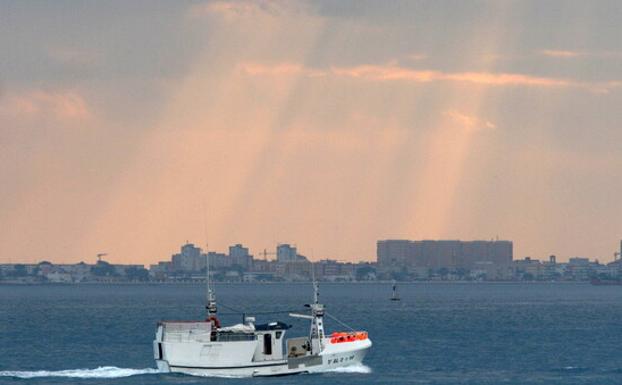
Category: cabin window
[267,344]
[278,335]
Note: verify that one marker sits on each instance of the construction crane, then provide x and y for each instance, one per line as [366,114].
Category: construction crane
[266,253]
[100,255]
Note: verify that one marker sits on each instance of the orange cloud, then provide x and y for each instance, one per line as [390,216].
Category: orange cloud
[224,8]
[66,105]
[373,72]
[231,10]
[561,53]
[280,69]
[417,56]
[567,54]
[470,122]
[393,72]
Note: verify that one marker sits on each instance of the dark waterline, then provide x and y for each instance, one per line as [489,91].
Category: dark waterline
[437,334]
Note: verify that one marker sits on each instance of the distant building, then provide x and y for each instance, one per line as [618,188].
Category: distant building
[331,270]
[493,258]
[528,269]
[579,268]
[395,256]
[218,260]
[286,253]
[239,256]
[189,260]
[299,270]
[263,266]
[161,270]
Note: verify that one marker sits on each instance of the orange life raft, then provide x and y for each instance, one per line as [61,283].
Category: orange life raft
[339,337]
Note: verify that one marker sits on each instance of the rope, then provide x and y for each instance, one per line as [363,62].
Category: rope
[340,322]
[237,311]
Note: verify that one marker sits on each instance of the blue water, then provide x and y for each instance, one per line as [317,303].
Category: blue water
[437,334]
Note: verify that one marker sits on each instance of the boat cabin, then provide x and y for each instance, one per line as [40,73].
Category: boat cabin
[263,342]
[270,339]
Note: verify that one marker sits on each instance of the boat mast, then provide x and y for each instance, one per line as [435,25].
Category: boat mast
[211,295]
[316,292]
[317,321]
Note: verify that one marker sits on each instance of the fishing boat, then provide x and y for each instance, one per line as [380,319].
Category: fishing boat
[395,296]
[250,349]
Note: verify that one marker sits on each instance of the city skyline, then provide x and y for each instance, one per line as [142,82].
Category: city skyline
[396,260]
[272,253]
[129,128]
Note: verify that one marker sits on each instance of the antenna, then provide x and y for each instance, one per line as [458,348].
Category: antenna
[207,293]
[316,292]
[316,288]
[211,297]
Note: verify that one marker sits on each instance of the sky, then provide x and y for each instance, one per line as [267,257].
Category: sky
[132,127]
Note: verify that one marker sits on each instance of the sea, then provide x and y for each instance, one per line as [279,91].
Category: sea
[439,333]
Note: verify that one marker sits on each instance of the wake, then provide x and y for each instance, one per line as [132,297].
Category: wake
[114,372]
[101,372]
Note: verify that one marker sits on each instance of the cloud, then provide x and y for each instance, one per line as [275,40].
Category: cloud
[231,10]
[224,8]
[388,73]
[280,69]
[393,72]
[64,105]
[561,53]
[567,54]
[417,56]
[494,57]
[470,122]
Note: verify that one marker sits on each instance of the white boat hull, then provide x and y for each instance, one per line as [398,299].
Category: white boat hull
[334,356]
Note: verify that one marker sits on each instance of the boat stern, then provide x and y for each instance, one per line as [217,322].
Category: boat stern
[158,353]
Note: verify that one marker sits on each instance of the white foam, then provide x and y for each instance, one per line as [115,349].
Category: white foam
[101,372]
[114,372]
[360,368]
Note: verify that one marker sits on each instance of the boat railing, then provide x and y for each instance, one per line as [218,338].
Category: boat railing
[176,326]
[229,337]
[186,331]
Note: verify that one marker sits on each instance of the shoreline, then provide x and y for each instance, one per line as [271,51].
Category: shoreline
[401,283]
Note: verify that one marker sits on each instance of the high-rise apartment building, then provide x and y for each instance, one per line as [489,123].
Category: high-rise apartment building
[406,256]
